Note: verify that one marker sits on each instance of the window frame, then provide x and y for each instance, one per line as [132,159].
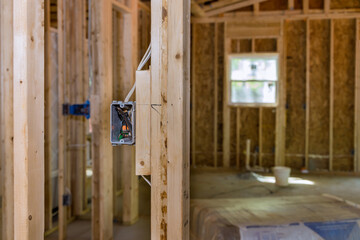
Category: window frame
[229,81]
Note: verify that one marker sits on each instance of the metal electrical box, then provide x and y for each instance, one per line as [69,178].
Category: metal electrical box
[122,120]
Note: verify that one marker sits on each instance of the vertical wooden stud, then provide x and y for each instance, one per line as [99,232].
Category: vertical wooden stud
[226,108]
[7,120]
[357,99]
[238,129]
[291,4]
[281,110]
[307,114]
[216,104]
[101,98]
[193,97]
[331,121]
[29,119]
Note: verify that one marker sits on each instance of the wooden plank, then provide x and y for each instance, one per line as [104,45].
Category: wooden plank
[196,9]
[143,140]
[331,121]
[130,53]
[178,116]
[306,6]
[144,6]
[216,94]
[281,110]
[101,98]
[121,7]
[248,154]
[238,129]
[7,120]
[231,7]
[253,29]
[260,137]
[326,6]
[256,9]
[307,116]
[28,85]
[226,108]
[61,120]
[48,107]
[357,99]
[171,88]
[291,4]
[193,97]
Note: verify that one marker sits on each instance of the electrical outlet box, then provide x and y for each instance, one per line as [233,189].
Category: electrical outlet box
[122,120]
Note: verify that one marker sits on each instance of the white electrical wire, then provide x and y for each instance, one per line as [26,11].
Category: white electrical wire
[142,63]
[146,180]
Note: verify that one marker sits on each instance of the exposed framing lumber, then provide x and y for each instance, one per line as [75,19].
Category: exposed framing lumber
[171,88]
[331,123]
[61,120]
[144,6]
[121,7]
[261,136]
[28,17]
[7,120]
[326,6]
[256,9]
[101,98]
[307,113]
[290,15]
[306,6]
[226,108]
[48,132]
[216,95]
[291,4]
[193,96]
[238,129]
[357,99]
[130,182]
[231,7]
[281,108]
[196,9]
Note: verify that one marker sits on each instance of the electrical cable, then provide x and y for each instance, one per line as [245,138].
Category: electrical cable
[143,61]
[146,180]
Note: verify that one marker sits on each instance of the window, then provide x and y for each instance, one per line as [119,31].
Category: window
[253,79]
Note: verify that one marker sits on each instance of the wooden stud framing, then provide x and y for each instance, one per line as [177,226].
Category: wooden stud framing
[281,110]
[331,121]
[307,116]
[48,142]
[170,88]
[101,98]
[129,179]
[29,118]
[326,6]
[216,103]
[62,120]
[226,108]
[238,129]
[7,120]
[306,6]
[256,9]
[232,7]
[291,5]
[357,99]
[193,97]
[121,7]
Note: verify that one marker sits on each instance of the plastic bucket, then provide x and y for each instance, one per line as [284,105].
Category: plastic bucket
[282,175]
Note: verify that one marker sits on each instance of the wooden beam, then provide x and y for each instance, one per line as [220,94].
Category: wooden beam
[256,8]
[7,119]
[238,129]
[216,94]
[193,95]
[144,6]
[331,121]
[226,108]
[61,120]
[281,110]
[196,9]
[101,98]
[48,110]
[232,7]
[307,114]
[261,111]
[130,52]
[121,7]
[170,63]
[291,5]
[306,6]
[327,6]
[357,99]
[29,119]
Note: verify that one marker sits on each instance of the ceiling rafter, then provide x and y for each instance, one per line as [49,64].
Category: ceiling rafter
[229,5]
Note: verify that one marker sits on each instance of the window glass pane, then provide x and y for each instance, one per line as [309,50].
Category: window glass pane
[254,68]
[253,92]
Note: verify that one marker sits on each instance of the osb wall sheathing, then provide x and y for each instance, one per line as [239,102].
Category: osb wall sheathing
[296,92]
[344,4]
[344,82]
[204,94]
[319,93]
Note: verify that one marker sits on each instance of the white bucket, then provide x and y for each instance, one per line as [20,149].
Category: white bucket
[282,175]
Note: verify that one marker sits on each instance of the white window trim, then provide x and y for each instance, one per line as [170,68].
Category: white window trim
[228,63]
